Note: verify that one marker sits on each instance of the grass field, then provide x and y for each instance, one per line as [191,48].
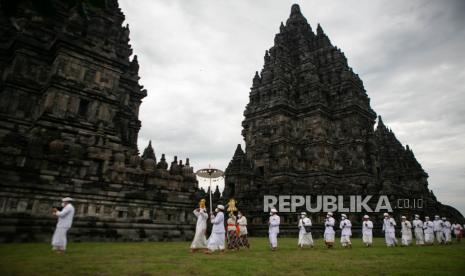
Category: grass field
[173,258]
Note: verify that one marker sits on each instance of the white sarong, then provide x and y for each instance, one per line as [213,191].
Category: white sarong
[273,236]
[440,236]
[429,238]
[419,238]
[390,238]
[59,240]
[345,240]
[406,238]
[329,237]
[367,238]
[305,238]
[200,241]
[216,242]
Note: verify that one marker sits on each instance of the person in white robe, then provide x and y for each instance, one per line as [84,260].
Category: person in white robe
[346,231]
[329,230]
[216,240]
[438,225]
[200,240]
[367,231]
[457,228]
[406,232]
[428,228]
[447,231]
[418,230]
[305,234]
[273,228]
[243,234]
[389,230]
[65,221]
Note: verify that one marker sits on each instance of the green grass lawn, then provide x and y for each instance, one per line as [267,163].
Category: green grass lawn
[173,258]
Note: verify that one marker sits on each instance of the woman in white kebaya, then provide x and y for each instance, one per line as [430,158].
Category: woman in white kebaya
[200,240]
[243,234]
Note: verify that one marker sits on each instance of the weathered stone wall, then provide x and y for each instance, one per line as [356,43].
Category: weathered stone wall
[69,104]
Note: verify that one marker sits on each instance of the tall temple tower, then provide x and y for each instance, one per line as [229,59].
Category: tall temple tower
[309,130]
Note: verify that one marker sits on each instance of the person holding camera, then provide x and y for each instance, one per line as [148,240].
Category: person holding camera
[65,220]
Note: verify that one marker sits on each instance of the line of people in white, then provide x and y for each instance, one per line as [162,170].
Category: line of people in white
[425,232]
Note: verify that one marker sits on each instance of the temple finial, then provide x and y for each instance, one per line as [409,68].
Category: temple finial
[319,30]
[295,10]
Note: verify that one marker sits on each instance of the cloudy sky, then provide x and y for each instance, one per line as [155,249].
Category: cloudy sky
[197,59]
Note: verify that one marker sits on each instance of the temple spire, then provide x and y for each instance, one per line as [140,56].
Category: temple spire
[295,10]
[380,122]
[239,152]
[149,153]
[319,30]
[256,79]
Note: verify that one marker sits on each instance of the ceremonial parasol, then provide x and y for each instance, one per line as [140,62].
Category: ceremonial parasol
[210,173]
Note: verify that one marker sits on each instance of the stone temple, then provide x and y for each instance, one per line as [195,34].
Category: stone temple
[309,130]
[69,104]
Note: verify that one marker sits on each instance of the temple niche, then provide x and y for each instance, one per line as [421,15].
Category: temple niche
[309,129]
[69,108]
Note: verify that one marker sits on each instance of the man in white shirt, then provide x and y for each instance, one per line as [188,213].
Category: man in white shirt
[305,234]
[273,229]
[200,240]
[243,234]
[406,231]
[438,225]
[65,221]
[447,231]
[389,230]
[329,230]
[216,240]
[418,230]
[346,231]
[428,228]
[367,231]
